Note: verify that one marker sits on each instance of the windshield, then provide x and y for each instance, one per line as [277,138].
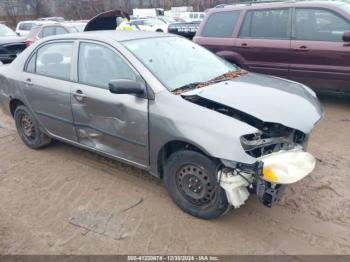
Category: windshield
[178,62]
[5,31]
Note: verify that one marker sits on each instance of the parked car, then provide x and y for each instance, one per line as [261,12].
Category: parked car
[150,24]
[23,28]
[187,29]
[51,29]
[308,42]
[10,44]
[213,132]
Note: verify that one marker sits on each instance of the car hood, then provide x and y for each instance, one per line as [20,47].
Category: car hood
[10,39]
[269,99]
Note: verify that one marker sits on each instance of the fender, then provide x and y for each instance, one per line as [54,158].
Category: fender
[216,135]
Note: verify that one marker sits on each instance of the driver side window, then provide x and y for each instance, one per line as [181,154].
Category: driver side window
[98,65]
[319,25]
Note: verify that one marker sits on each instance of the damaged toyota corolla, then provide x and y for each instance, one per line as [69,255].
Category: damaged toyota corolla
[213,132]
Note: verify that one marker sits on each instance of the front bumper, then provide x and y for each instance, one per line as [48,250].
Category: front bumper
[267,178]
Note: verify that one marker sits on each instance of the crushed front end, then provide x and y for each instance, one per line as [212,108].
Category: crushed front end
[281,160]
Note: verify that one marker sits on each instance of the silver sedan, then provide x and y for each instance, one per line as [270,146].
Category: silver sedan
[213,132]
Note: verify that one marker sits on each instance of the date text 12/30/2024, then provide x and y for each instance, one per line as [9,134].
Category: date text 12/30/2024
[173,258]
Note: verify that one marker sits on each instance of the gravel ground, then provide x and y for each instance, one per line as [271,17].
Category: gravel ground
[63,200]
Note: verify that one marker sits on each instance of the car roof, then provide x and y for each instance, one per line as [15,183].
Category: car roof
[277,4]
[118,36]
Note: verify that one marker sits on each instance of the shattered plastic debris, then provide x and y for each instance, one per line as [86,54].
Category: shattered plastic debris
[225,77]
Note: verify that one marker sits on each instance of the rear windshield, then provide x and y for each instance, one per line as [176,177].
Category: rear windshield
[221,24]
[25,26]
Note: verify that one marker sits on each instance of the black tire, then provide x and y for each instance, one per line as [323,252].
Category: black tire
[29,130]
[204,199]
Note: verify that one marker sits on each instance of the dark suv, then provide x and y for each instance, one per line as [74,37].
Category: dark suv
[308,42]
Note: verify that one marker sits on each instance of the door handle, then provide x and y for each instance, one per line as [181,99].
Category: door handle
[302,48]
[79,96]
[244,44]
[28,82]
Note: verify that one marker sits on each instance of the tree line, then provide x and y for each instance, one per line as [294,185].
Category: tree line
[11,11]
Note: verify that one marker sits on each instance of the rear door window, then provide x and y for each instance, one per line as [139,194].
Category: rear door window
[221,24]
[319,25]
[54,60]
[268,24]
[31,64]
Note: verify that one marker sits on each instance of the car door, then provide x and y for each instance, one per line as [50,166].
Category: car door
[114,124]
[47,86]
[264,41]
[320,58]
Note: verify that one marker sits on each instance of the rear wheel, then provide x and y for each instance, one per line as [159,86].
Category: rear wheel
[28,129]
[190,179]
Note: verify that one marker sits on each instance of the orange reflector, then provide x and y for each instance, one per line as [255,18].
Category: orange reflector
[269,175]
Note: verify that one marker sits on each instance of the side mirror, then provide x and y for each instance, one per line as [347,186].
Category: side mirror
[125,86]
[346,36]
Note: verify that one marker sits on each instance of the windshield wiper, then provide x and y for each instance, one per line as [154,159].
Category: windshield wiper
[187,87]
[224,77]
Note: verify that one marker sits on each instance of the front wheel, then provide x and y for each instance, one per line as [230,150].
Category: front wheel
[29,130]
[190,178]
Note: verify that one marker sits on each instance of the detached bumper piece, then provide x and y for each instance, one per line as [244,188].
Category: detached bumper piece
[267,193]
[271,196]
[268,178]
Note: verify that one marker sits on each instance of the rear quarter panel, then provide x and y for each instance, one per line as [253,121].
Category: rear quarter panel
[11,81]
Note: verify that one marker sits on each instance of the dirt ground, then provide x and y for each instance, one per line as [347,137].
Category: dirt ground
[63,200]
